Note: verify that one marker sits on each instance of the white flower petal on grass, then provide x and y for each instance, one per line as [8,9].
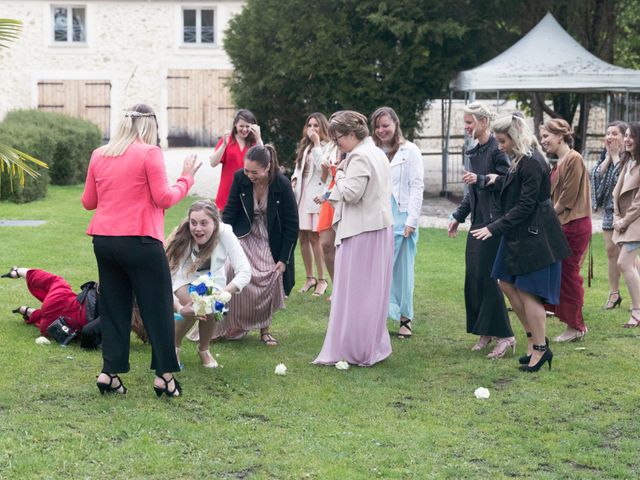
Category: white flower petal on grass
[342,365]
[281,369]
[581,348]
[482,393]
[42,341]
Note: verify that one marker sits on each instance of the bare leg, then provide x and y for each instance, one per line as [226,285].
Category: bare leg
[626,264]
[613,252]
[322,285]
[518,305]
[537,321]
[304,237]
[327,242]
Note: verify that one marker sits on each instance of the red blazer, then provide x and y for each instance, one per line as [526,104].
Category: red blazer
[130,193]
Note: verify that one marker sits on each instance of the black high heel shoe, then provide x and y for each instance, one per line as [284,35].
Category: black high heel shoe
[177,390]
[524,359]
[547,356]
[25,313]
[110,387]
[610,305]
[10,273]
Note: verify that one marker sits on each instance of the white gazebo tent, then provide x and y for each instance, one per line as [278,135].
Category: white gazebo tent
[545,59]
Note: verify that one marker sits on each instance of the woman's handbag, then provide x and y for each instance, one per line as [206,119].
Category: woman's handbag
[61,332]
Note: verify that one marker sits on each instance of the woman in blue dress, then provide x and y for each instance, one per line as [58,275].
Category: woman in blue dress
[407,183]
[529,259]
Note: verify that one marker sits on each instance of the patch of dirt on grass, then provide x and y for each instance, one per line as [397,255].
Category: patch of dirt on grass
[254,416]
[501,383]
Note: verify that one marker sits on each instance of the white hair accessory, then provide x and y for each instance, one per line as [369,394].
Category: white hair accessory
[134,114]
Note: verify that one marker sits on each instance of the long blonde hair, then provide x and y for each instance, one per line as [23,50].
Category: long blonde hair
[180,240]
[139,123]
[514,126]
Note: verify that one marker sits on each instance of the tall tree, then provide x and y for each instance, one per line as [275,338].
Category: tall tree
[595,25]
[294,58]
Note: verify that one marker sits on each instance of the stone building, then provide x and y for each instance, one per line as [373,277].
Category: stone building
[95,58]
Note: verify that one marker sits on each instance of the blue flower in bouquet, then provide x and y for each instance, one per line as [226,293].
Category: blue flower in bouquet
[219,306]
[202,289]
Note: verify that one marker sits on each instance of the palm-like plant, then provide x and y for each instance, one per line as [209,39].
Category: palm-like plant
[13,161]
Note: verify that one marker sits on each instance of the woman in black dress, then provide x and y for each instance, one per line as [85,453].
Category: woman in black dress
[532,246]
[484,301]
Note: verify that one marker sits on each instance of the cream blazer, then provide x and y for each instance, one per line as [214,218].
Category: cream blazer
[626,205]
[362,193]
[313,183]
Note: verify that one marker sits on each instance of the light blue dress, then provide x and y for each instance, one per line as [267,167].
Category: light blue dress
[404,254]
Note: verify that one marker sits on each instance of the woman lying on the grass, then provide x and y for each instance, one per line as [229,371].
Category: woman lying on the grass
[80,310]
[201,244]
[57,297]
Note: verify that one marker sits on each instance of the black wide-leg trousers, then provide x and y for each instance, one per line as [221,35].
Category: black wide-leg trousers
[138,266]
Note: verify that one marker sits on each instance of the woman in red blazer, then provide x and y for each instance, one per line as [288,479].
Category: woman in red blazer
[127,187]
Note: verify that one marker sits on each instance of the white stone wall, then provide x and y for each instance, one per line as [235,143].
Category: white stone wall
[130,43]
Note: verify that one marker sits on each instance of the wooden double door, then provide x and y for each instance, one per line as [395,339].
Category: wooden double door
[199,108]
[86,99]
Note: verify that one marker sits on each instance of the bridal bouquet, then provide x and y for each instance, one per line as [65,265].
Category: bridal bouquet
[207,299]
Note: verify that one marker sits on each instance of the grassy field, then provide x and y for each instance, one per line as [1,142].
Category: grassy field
[412,416]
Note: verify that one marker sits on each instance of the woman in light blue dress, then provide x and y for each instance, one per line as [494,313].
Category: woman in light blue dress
[407,181]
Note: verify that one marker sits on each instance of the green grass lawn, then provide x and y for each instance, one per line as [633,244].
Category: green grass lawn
[412,416]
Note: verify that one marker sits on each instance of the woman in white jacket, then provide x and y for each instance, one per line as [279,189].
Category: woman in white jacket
[307,185]
[407,183]
[201,245]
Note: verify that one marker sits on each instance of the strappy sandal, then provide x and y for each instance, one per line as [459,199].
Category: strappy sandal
[611,304]
[406,324]
[482,343]
[207,359]
[502,346]
[10,273]
[175,392]
[321,287]
[633,321]
[308,286]
[25,314]
[110,387]
[268,339]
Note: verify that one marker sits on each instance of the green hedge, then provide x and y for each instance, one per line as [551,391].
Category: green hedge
[64,143]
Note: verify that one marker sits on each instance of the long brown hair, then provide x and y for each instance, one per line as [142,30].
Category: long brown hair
[305,141]
[247,116]
[265,156]
[634,132]
[180,240]
[397,139]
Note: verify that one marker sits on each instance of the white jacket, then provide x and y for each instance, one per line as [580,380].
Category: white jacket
[228,247]
[313,183]
[407,181]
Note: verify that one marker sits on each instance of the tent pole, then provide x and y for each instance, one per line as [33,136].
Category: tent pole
[626,106]
[608,107]
[445,152]
[498,101]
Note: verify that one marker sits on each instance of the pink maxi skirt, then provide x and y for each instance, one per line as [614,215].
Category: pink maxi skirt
[357,331]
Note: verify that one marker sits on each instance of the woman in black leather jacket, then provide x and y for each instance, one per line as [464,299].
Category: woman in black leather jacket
[263,212]
[528,262]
